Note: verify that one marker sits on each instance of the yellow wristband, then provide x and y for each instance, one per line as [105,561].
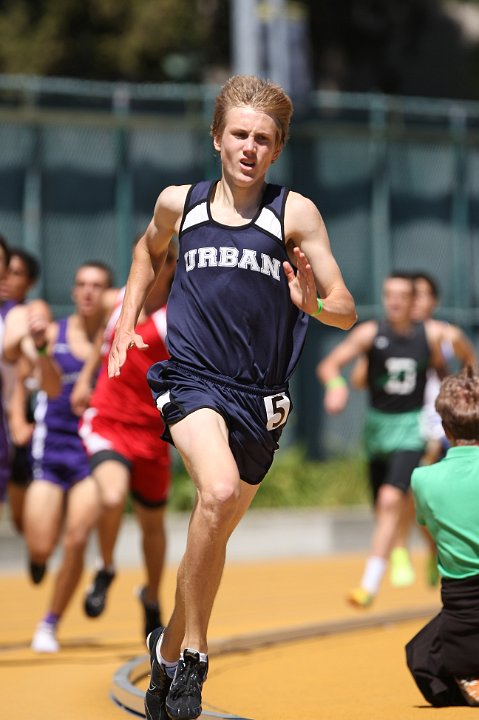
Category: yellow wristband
[336,382]
[319,310]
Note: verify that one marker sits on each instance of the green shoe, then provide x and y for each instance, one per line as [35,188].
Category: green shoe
[432,573]
[401,572]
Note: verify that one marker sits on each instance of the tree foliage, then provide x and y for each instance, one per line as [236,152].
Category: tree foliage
[408,47]
[107,39]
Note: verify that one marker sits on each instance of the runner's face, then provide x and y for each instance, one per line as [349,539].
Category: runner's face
[90,284]
[3,264]
[398,298]
[424,301]
[248,145]
[17,283]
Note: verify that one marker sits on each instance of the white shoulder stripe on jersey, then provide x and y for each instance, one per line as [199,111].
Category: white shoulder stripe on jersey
[268,221]
[196,215]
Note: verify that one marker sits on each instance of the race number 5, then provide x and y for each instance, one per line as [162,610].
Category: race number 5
[277,410]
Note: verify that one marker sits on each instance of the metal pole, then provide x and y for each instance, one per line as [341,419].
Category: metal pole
[278,43]
[245,40]
[459,219]
[32,203]
[380,220]
[123,200]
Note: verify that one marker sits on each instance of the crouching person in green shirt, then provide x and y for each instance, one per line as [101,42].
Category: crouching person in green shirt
[444,656]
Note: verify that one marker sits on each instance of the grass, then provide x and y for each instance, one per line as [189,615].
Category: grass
[295,481]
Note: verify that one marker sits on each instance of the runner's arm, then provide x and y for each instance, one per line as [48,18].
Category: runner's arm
[328,370]
[148,258]
[82,389]
[317,270]
[20,429]
[38,346]
[464,350]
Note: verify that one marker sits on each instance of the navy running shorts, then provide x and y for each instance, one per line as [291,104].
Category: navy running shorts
[255,417]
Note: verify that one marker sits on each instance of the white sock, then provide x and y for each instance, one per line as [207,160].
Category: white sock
[203,656]
[170,667]
[373,574]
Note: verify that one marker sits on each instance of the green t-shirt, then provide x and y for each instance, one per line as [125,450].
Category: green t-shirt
[447,502]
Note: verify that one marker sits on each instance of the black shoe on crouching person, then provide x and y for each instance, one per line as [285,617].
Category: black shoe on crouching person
[184,699]
[159,686]
[95,598]
[151,613]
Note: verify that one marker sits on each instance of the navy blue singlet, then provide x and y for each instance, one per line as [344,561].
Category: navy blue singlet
[229,311]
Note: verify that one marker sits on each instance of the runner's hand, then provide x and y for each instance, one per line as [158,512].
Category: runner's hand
[336,399]
[37,326]
[21,432]
[302,287]
[80,397]
[122,342]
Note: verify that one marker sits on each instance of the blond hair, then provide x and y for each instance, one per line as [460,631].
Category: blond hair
[458,405]
[261,95]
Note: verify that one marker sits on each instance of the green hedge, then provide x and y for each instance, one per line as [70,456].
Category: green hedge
[295,481]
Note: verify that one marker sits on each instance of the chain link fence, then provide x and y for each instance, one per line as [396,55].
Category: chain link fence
[396,180]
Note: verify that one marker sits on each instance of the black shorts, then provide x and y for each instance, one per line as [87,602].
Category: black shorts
[255,417]
[394,469]
[21,468]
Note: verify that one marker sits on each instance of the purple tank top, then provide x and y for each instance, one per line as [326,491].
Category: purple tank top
[56,413]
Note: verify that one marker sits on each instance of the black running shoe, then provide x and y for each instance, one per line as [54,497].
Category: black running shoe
[37,572]
[184,699]
[152,617]
[95,598]
[159,686]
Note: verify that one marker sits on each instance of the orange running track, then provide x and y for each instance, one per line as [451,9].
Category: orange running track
[301,651]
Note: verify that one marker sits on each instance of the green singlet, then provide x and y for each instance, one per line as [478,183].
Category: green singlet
[385,433]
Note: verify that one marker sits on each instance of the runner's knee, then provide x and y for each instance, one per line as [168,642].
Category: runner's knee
[112,497]
[220,501]
[75,538]
[390,499]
